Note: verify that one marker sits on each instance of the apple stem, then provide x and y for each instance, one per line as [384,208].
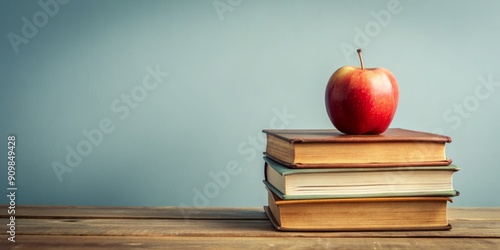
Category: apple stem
[361,59]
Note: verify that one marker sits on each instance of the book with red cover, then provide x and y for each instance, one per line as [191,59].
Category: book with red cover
[318,148]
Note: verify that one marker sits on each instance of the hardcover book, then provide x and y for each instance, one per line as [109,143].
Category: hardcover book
[358,214]
[320,183]
[331,148]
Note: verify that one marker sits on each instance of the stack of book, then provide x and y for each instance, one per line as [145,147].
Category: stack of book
[323,180]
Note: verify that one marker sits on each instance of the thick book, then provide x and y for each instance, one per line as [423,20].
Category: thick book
[331,148]
[319,183]
[359,214]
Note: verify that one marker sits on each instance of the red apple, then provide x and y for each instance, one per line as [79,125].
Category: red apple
[361,101]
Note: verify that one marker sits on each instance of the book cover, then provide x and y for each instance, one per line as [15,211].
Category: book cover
[321,183]
[330,148]
[358,214]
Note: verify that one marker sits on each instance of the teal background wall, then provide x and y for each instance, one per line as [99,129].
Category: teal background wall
[156,103]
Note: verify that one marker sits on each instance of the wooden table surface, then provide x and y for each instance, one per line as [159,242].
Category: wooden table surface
[76,227]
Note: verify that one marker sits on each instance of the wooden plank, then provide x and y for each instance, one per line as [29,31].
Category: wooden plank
[225,228]
[474,213]
[33,242]
[63,227]
[82,212]
[186,213]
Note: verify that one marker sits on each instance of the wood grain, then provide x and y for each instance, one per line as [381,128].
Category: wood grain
[104,242]
[30,211]
[225,228]
[186,213]
[77,227]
